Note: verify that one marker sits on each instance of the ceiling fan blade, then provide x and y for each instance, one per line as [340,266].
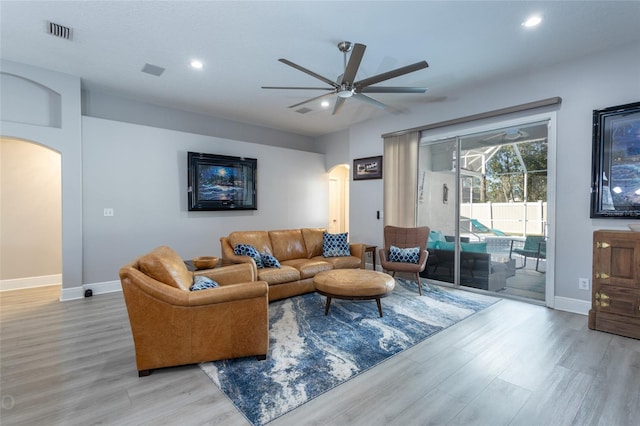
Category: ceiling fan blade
[311,100]
[338,105]
[370,101]
[354,63]
[311,73]
[298,88]
[391,74]
[378,89]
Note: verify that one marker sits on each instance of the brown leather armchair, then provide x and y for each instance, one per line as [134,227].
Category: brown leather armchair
[174,326]
[405,238]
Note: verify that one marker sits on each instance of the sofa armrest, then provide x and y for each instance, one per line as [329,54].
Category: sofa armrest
[357,250]
[228,254]
[231,274]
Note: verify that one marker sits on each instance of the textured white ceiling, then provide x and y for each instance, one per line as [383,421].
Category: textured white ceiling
[465,43]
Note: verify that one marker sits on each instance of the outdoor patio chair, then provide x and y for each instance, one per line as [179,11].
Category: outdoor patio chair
[535,246]
[481,228]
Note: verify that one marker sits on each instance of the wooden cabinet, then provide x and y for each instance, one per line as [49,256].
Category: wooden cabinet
[615,300]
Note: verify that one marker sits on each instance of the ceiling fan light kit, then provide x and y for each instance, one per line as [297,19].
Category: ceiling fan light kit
[346,87]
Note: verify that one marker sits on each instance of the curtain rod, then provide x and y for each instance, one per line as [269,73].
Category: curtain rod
[489,114]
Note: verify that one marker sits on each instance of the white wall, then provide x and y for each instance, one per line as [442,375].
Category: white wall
[56,126]
[112,107]
[594,82]
[336,147]
[141,172]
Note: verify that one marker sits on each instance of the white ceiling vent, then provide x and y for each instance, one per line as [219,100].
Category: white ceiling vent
[304,110]
[59,30]
[153,69]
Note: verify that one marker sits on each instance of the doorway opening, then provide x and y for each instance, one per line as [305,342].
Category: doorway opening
[31,217]
[338,199]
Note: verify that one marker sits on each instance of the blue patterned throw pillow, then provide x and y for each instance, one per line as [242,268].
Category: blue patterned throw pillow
[406,255]
[269,261]
[335,245]
[201,282]
[247,250]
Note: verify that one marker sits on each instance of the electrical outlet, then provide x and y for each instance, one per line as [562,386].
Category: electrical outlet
[108,211]
[583,283]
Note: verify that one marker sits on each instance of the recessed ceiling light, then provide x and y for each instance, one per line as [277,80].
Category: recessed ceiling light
[324,104]
[532,21]
[197,64]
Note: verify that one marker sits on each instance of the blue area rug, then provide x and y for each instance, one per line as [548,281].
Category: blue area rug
[310,353]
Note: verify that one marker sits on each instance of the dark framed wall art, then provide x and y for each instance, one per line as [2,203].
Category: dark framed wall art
[615,177]
[221,182]
[367,168]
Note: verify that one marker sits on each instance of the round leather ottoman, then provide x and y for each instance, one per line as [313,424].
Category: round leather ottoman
[353,284]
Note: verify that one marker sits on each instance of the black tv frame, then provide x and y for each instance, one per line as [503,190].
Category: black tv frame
[221,182]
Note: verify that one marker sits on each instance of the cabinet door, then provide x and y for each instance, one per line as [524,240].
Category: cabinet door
[617,300]
[616,260]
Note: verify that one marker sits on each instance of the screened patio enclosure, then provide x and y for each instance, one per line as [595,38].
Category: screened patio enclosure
[483,194]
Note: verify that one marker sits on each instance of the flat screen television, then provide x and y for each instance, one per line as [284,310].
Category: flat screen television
[221,182]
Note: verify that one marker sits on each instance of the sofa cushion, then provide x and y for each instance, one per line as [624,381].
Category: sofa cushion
[343,262]
[309,267]
[200,282]
[248,250]
[269,261]
[434,237]
[287,244]
[404,255]
[335,245]
[284,274]
[442,245]
[258,239]
[164,265]
[313,241]
[474,247]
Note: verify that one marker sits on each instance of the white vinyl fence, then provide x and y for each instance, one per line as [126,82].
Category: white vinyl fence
[510,218]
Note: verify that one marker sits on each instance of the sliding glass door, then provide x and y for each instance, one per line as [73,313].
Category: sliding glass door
[485,197]
[438,206]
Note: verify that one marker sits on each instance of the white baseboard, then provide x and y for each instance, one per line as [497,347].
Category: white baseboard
[97,288]
[30,282]
[575,306]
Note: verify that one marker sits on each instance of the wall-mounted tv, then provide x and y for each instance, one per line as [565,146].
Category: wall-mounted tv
[220,182]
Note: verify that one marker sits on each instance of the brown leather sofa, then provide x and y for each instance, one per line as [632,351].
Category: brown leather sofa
[174,326]
[299,252]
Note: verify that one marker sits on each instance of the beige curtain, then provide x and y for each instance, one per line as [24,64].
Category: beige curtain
[400,173]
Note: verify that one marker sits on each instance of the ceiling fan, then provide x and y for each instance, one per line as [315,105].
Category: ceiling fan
[345,86]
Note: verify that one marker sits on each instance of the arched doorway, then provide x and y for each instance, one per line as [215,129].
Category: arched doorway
[31,215]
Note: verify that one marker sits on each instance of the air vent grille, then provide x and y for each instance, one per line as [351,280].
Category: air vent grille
[153,69]
[304,110]
[58,30]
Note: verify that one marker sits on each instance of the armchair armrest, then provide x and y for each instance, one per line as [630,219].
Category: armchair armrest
[229,293]
[172,296]
[231,274]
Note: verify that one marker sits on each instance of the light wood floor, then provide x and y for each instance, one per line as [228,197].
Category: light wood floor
[72,363]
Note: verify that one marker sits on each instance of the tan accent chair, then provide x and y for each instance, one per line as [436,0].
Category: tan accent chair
[405,238]
[174,326]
